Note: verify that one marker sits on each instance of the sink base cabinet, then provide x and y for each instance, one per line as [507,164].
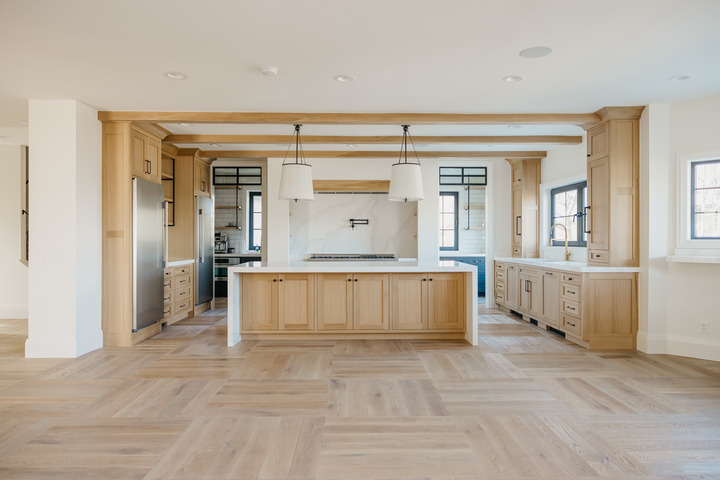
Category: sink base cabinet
[595,310]
[409,305]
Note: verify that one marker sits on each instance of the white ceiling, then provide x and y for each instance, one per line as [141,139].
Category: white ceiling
[425,56]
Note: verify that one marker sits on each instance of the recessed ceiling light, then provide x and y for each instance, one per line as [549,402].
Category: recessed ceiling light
[185,124]
[269,70]
[514,126]
[352,145]
[216,144]
[513,78]
[176,75]
[422,145]
[536,52]
[679,78]
[343,78]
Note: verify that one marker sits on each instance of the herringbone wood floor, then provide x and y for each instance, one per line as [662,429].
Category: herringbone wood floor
[524,404]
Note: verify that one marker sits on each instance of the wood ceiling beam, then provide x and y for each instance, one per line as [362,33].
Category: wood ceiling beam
[374,139]
[365,154]
[584,120]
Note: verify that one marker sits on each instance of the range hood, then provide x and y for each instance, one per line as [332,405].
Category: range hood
[349,257]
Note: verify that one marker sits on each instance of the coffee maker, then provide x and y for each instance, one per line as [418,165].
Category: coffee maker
[221,244]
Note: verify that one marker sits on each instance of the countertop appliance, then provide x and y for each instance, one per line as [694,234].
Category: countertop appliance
[221,244]
[149,237]
[204,249]
[348,257]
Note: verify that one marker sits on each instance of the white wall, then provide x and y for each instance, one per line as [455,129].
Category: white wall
[692,288]
[13,273]
[64,282]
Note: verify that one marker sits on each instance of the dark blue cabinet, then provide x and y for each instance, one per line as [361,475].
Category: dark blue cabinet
[479,263]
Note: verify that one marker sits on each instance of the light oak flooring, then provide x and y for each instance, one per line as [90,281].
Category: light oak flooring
[524,404]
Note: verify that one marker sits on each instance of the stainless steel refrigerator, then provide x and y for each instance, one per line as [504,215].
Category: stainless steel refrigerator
[148,246]
[204,249]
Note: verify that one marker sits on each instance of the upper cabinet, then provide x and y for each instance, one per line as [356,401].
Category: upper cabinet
[612,215]
[202,178]
[525,214]
[145,155]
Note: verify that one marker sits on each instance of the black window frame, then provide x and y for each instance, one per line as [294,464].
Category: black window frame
[692,199]
[456,228]
[252,196]
[579,187]
[465,178]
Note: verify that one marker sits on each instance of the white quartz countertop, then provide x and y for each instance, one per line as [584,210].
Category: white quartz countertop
[399,266]
[177,263]
[236,255]
[553,264]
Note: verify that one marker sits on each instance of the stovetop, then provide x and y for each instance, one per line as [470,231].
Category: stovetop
[345,257]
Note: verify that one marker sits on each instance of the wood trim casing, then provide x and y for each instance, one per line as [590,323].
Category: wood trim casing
[584,120]
[351,185]
[375,139]
[367,154]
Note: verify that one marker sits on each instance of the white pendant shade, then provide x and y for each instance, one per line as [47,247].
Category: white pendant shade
[406,182]
[296,182]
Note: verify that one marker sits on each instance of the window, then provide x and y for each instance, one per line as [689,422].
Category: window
[255,221]
[448,221]
[463,176]
[705,200]
[567,205]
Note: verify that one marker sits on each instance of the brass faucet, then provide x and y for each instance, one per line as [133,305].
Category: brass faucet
[567,254]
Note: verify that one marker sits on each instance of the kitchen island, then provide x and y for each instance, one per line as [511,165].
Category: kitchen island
[352,300]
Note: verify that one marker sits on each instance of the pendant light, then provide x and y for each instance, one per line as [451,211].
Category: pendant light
[405,177]
[296,177]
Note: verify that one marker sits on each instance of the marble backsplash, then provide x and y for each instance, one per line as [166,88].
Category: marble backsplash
[323,225]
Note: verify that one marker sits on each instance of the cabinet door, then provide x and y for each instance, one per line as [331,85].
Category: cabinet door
[525,295]
[512,288]
[599,202]
[446,301]
[153,155]
[536,297]
[139,165]
[334,301]
[296,301]
[550,298]
[201,175]
[409,301]
[370,301]
[517,217]
[259,301]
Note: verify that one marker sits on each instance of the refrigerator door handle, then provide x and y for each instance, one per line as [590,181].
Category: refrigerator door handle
[166,225]
[202,235]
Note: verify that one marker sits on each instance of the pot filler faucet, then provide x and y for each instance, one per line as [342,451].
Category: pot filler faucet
[567,254]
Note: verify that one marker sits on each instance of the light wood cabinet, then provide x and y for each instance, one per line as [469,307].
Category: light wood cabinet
[613,181]
[596,310]
[524,207]
[358,301]
[512,287]
[500,283]
[278,302]
[202,178]
[531,295]
[145,155]
[433,301]
[550,295]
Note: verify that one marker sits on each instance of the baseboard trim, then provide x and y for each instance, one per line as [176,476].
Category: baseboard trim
[652,343]
[13,311]
[693,347]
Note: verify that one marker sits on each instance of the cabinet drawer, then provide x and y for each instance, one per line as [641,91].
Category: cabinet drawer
[166,310]
[167,289]
[181,281]
[500,275]
[533,272]
[499,266]
[500,298]
[574,278]
[516,252]
[167,282]
[181,292]
[182,270]
[570,292]
[167,298]
[599,256]
[572,325]
[167,272]
[181,306]
[570,307]
[499,286]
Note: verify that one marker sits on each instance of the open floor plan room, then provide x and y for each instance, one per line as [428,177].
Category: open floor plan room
[524,404]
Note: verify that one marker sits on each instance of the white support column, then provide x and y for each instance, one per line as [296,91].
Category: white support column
[64,281]
[278,220]
[655,212]
[427,235]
